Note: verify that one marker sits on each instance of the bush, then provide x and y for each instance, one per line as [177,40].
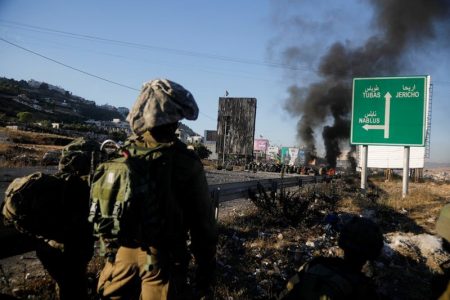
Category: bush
[201,150]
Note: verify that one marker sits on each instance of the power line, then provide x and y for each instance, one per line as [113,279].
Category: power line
[79,70]
[67,66]
[158,48]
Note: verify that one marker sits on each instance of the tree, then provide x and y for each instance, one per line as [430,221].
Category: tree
[201,150]
[46,123]
[43,86]
[24,116]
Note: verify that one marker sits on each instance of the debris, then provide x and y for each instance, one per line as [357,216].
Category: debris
[310,244]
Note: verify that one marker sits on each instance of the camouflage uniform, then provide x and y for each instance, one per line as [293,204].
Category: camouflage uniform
[181,182]
[67,262]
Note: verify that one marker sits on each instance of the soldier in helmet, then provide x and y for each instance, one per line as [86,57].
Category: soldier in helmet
[180,184]
[67,261]
[340,278]
[441,283]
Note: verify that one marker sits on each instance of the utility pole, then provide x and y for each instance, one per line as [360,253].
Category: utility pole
[224,140]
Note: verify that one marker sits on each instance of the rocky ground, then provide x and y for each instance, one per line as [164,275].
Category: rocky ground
[260,246]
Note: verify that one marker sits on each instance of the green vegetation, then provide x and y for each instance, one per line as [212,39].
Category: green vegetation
[24,116]
[201,150]
[10,86]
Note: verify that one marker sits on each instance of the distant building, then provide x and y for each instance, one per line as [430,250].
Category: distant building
[13,127]
[111,126]
[33,83]
[211,146]
[260,148]
[36,84]
[210,140]
[236,128]
[108,107]
[210,135]
[273,153]
[123,110]
[195,139]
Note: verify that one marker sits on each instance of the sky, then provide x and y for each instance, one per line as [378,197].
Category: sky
[105,50]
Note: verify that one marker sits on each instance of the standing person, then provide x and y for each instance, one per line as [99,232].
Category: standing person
[332,278]
[67,262]
[54,209]
[180,184]
[441,283]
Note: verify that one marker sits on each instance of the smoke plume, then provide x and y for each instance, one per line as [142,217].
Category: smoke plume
[402,25]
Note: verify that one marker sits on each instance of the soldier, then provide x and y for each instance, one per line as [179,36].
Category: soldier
[441,283]
[340,278]
[53,210]
[181,185]
[67,262]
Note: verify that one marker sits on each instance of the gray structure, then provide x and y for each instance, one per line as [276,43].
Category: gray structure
[210,135]
[236,129]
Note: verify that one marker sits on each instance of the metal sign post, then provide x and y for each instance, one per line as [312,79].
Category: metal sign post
[405,179]
[223,147]
[365,151]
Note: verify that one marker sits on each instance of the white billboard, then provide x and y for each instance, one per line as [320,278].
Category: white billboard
[391,157]
[293,155]
[273,152]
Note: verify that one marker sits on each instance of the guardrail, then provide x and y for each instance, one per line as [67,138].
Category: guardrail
[235,190]
[15,243]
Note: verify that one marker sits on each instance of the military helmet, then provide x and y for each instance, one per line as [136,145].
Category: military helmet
[161,102]
[362,237]
[443,223]
[76,156]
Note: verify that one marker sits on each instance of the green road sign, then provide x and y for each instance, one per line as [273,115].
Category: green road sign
[389,111]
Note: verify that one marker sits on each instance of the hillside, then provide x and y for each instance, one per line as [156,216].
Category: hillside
[48,102]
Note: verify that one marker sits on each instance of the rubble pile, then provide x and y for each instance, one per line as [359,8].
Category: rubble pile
[261,246]
[307,205]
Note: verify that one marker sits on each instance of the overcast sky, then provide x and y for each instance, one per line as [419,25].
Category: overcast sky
[105,50]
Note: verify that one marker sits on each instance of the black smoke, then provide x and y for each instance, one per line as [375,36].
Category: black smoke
[402,25]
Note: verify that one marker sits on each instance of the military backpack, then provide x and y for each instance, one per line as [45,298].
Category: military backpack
[80,156]
[43,205]
[124,207]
